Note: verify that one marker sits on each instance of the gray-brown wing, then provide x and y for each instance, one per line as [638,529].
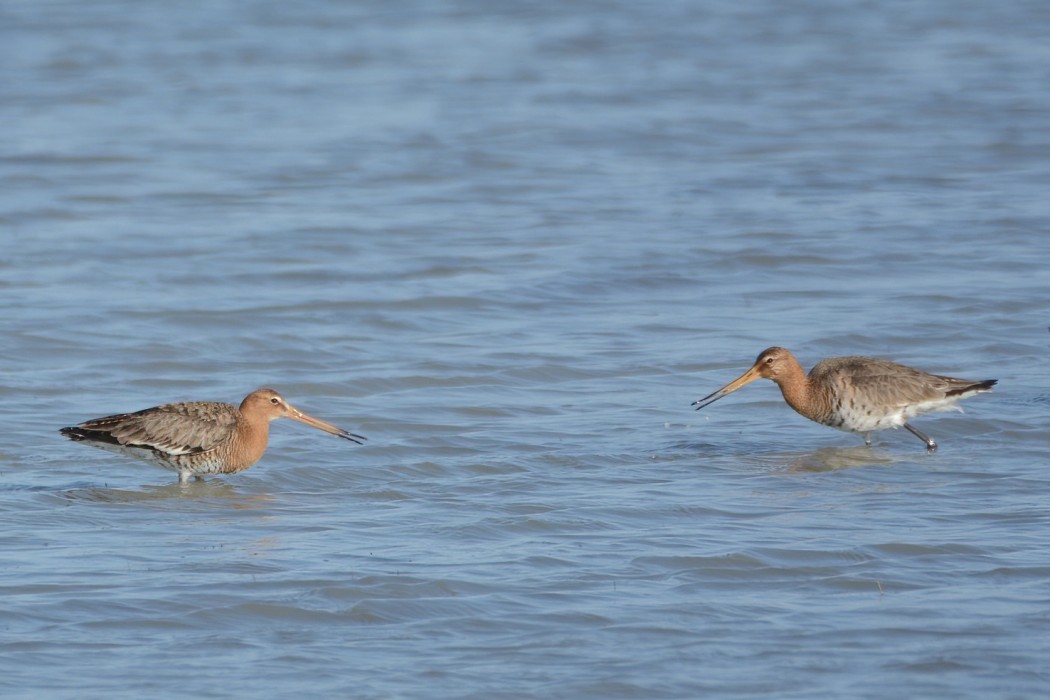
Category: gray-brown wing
[879,382]
[175,429]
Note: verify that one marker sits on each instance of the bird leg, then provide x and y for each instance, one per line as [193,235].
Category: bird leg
[867,439]
[930,444]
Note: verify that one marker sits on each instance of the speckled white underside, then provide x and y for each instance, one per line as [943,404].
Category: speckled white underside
[186,465]
[861,421]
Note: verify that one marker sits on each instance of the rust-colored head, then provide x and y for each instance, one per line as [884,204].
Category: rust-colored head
[772,363]
[270,404]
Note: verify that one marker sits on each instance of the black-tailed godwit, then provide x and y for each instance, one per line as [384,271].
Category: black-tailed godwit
[199,437]
[857,394]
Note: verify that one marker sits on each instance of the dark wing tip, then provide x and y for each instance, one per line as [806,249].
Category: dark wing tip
[983,385]
[78,434]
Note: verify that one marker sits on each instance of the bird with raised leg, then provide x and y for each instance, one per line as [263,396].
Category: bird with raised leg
[857,394]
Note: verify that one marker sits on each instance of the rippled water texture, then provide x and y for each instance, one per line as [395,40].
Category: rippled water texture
[510,243]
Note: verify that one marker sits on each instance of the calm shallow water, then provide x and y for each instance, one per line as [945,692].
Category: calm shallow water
[510,244]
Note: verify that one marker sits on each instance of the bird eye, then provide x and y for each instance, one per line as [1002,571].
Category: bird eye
[769,360]
[274,400]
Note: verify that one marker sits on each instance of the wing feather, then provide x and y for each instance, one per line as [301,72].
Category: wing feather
[886,383]
[174,429]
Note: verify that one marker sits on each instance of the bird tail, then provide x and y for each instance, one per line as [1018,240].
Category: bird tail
[75,434]
[973,388]
[78,434]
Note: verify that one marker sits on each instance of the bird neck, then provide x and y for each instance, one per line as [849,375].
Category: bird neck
[253,432]
[797,390]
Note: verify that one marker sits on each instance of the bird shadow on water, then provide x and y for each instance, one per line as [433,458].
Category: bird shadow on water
[824,459]
[210,490]
[827,459]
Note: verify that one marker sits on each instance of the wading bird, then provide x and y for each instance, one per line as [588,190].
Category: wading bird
[857,394]
[198,437]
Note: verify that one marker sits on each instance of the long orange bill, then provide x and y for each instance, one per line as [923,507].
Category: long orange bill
[745,378]
[296,414]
